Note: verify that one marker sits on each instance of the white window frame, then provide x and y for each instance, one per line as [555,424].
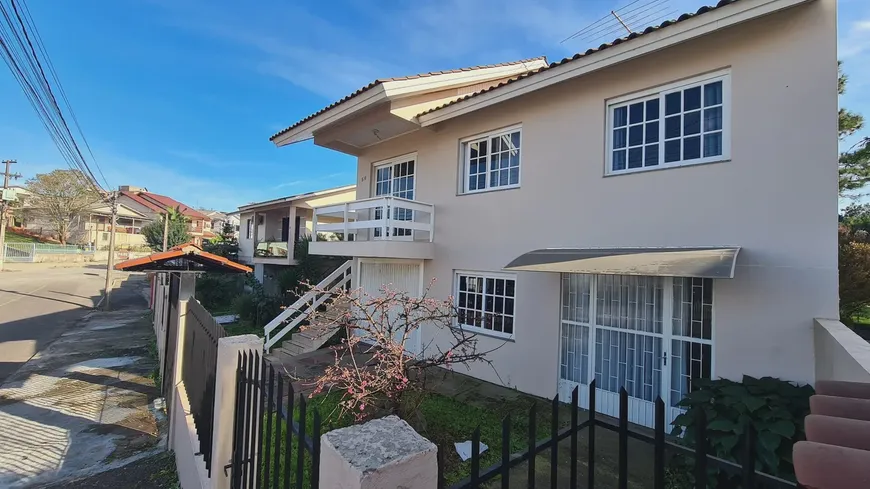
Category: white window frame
[485,275]
[465,156]
[409,157]
[660,92]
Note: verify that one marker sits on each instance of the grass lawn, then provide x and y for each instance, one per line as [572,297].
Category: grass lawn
[861,324]
[443,420]
[243,326]
[12,237]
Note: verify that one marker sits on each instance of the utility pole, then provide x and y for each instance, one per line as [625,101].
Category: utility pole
[4,207]
[113,202]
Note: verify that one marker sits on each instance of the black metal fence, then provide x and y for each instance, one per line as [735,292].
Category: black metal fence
[171,340]
[272,446]
[199,361]
[745,474]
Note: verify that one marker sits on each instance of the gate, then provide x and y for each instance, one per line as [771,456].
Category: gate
[19,252]
[276,442]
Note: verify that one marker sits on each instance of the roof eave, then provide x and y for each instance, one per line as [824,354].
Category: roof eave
[306,130]
[677,33]
[290,199]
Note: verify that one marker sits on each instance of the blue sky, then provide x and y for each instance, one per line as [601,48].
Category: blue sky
[181,96]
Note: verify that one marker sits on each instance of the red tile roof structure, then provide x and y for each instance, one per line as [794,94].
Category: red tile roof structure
[194,259]
[160,203]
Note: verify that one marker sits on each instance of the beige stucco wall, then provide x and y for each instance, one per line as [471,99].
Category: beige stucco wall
[331,198]
[776,198]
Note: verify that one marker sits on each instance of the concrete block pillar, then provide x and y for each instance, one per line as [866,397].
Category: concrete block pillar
[384,452]
[291,236]
[224,402]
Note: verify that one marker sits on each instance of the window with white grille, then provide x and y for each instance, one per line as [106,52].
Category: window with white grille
[675,125]
[486,302]
[491,161]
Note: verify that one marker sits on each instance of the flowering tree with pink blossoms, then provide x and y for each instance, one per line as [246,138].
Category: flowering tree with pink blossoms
[375,370]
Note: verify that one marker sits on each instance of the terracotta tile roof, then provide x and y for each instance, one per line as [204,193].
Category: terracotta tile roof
[190,250]
[159,203]
[615,42]
[381,81]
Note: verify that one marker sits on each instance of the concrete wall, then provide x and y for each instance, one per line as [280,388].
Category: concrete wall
[840,353]
[776,197]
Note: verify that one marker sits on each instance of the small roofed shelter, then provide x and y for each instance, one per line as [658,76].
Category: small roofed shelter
[182,258]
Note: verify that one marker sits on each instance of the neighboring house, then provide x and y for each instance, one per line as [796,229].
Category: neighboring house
[92,227]
[154,205]
[13,211]
[219,219]
[592,209]
[269,229]
[96,227]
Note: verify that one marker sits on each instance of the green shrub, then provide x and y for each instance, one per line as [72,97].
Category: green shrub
[775,408]
[245,305]
[216,291]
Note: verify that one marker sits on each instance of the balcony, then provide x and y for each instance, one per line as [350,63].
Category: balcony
[274,252]
[379,227]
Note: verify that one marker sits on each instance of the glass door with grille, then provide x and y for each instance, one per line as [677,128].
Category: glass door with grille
[395,179]
[650,335]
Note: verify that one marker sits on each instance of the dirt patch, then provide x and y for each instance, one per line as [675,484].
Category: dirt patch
[155,472]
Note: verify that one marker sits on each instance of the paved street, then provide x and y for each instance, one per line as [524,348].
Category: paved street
[37,302]
[83,404]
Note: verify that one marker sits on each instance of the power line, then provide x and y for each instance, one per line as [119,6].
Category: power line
[20,54]
[51,69]
[49,91]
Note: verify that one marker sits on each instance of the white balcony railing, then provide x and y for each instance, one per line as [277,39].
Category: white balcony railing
[376,219]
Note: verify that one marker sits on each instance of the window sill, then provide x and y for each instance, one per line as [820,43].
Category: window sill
[668,166]
[488,190]
[485,332]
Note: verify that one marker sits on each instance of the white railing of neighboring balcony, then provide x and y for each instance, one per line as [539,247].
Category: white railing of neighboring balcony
[377,218]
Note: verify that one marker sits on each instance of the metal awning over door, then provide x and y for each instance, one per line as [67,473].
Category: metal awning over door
[702,262]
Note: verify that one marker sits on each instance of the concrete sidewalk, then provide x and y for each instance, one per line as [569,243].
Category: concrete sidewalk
[83,405]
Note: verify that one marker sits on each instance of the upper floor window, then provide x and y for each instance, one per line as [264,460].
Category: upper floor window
[676,125]
[491,161]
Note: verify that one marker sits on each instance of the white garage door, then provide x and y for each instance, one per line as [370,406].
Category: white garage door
[397,275]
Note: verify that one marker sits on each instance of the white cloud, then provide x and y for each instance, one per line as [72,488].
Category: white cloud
[856,41]
[330,59]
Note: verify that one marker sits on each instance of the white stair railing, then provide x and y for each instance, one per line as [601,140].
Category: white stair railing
[291,317]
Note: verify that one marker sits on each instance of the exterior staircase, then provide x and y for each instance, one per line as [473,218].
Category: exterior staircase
[290,320]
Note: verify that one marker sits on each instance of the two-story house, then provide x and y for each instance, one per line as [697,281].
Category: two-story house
[155,205]
[269,229]
[651,211]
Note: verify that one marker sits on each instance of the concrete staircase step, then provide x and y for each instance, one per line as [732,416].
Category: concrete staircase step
[289,349]
[315,333]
